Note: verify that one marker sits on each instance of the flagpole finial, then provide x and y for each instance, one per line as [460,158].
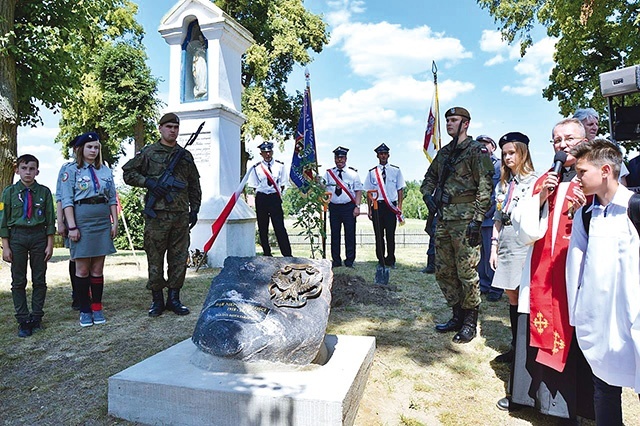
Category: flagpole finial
[307,75]
[434,70]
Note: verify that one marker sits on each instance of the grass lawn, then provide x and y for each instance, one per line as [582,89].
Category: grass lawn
[59,376]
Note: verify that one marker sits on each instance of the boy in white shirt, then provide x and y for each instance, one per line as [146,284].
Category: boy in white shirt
[603,279]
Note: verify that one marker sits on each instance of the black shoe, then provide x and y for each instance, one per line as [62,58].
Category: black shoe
[157,305]
[455,323]
[503,404]
[494,297]
[174,304]
[36,325]
[506,357]
[336,264]
[468,330]
[429,269]
[24,329]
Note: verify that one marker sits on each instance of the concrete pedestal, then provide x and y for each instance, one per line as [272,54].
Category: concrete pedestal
[169,389]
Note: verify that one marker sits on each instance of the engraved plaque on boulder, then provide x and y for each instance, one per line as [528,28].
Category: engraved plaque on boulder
[266,309]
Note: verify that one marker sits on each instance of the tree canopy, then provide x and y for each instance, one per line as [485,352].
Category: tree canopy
[284,33]
[593,37]
[44,52]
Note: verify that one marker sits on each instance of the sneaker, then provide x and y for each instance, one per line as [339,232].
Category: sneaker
[24,329]
[85,319]
[98,317]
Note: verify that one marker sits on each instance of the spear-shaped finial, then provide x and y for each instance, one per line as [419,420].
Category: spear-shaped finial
[434,70]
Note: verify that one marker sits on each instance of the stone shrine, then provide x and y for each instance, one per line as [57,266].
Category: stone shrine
[206,47]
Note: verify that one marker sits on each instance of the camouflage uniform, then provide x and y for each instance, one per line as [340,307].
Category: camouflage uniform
[469,187]
[169,231]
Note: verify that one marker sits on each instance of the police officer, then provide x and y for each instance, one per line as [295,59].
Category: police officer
[386,179]
[466,198]
[168,232]
[268,179]
[344,207]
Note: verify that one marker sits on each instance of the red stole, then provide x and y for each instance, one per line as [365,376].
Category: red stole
[550,330]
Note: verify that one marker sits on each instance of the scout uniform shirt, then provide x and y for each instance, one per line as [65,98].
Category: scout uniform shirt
[258,179]
[15,209]
[79,183]
[351,180]
[391,177]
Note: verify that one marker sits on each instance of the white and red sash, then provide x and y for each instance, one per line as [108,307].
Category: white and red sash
[550,330]
[383,191]
[342,185]
[270,178]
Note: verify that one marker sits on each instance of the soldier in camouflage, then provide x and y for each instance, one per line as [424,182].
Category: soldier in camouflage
[466,198]
[168,232]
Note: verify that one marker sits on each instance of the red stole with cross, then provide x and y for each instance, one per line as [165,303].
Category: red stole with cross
[550,330]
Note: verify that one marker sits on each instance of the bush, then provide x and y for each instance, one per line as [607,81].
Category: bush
[131,200]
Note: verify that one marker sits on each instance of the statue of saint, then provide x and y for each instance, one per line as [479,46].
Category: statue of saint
[199,67]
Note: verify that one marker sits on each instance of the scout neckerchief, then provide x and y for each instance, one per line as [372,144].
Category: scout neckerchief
[27,204]
[383,191]
[342,185]
[94,178]
[270,178]
[550,330]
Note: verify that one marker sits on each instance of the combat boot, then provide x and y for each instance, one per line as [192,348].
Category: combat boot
[157,305]
[455,323]
[174,304]
[468,330]
[431,265]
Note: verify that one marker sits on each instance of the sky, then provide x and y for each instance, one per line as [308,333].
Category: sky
[373,83]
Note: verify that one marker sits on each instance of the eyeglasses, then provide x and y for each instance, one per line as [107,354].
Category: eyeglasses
[568,140]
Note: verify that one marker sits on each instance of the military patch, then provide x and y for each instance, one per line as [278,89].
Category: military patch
[65,176]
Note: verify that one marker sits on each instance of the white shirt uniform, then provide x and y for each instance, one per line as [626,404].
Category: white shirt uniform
[603,291]
[392,183]
[258,178]
[350,178]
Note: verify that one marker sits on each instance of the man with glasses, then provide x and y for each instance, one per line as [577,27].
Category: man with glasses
[549,370]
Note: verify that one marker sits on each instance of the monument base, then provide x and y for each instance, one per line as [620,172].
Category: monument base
[168,389]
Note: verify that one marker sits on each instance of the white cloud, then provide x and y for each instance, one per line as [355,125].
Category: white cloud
[498,59]
[534,68]
[491,41]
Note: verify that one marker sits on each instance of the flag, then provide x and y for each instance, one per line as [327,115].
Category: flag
[304,163]
[217,224]
[432,133]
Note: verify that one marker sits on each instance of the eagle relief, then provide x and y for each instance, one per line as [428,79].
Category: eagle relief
[293,284]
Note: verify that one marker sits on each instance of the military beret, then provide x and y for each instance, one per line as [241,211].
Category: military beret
[169,118]
[487,139]
[513,137]
[458,111]
[340,151]
[266,146]
[381,148]
[86,137]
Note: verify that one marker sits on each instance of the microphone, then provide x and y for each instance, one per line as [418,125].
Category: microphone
[558,161]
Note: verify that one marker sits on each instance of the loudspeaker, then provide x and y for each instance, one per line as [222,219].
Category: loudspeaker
[627,124]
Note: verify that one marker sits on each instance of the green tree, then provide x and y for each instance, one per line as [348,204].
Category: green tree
[413,207]
[44,48]
[284,32]
[131,200]
[593,37]
[118,100]
[307,209]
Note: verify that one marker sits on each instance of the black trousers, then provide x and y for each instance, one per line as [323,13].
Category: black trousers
[342,215]
[384,227]
[270,206]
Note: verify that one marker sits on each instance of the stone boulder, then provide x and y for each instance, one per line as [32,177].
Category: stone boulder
[266,309]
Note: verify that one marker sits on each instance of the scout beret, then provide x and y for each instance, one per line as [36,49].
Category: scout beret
[169,118]
[340,151]
[85,137]
[462,112]
[266,146]
[513,137]
[487,139]
[382,148]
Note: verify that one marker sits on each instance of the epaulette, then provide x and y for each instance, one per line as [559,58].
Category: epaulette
[393,165]
[257,164]
[373,168]
[355,170]
[278,161]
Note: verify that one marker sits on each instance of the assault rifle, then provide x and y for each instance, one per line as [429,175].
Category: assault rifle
[167,180]
[439,198]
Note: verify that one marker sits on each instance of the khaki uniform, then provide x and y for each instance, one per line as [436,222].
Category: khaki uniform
[469,186]
[169,231]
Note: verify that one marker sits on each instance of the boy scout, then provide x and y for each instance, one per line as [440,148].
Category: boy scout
[27,226]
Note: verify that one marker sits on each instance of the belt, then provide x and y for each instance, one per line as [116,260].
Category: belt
[463,199]
[92,200]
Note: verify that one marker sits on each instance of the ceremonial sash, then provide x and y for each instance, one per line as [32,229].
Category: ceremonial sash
[550,330]
[271,179]
[342,185]
[383,191]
